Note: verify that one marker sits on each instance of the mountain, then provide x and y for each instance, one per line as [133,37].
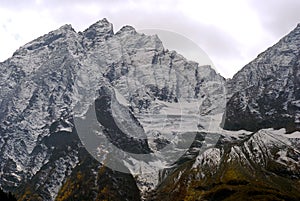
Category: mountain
[53,83]
[257,157]
[266,93]
[99,115]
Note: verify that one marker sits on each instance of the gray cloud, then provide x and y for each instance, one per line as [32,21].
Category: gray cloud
[17,5]
[278,17]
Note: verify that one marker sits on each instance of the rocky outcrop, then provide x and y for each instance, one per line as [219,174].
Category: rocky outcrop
[265,93]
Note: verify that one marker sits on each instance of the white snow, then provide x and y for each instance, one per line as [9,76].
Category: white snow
[66,129]
[210,157]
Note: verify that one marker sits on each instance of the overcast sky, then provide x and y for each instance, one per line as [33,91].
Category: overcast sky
[231,32]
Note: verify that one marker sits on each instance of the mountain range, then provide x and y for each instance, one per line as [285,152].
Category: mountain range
[99,115]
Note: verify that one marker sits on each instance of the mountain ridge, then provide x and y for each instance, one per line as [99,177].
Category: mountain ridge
[274,72]
[56,77]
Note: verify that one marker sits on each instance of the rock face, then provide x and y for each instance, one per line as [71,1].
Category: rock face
[266,92]
[51,80]
[66,94]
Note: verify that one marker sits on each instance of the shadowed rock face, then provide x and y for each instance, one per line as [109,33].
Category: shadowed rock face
[115,135]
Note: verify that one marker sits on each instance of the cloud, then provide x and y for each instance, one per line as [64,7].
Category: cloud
[17,5]
[277,17]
